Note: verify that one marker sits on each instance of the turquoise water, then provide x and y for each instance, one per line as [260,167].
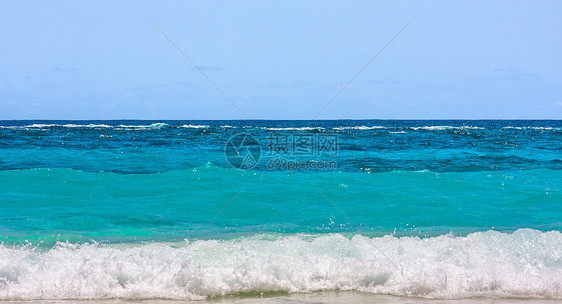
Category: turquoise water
[65,204]
[152,209]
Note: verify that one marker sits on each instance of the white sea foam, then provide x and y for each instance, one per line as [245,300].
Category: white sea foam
[192,126]
[46,126]
[440,128]
[429,128]
[526,263]
[533,128]
[157,125]
[360,128]
[67,126]
[33,126]
[195,126]
[41,126]
[295,129]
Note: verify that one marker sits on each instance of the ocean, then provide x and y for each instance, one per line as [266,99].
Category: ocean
[253,210]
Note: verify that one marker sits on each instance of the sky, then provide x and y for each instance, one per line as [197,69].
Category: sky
[280,60]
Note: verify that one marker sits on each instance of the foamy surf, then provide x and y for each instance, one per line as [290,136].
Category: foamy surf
[195,126]
[295,129]
[47,126]
[360,128]
[442,128]
[523,264]
[160,125]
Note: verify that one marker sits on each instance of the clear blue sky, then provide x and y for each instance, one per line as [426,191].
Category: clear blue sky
[280,59]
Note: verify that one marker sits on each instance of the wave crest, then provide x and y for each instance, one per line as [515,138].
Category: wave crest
[526,263]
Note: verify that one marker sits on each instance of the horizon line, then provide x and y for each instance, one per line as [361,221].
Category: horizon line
[266,119]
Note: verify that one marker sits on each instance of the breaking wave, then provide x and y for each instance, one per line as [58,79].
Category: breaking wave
[526,263]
